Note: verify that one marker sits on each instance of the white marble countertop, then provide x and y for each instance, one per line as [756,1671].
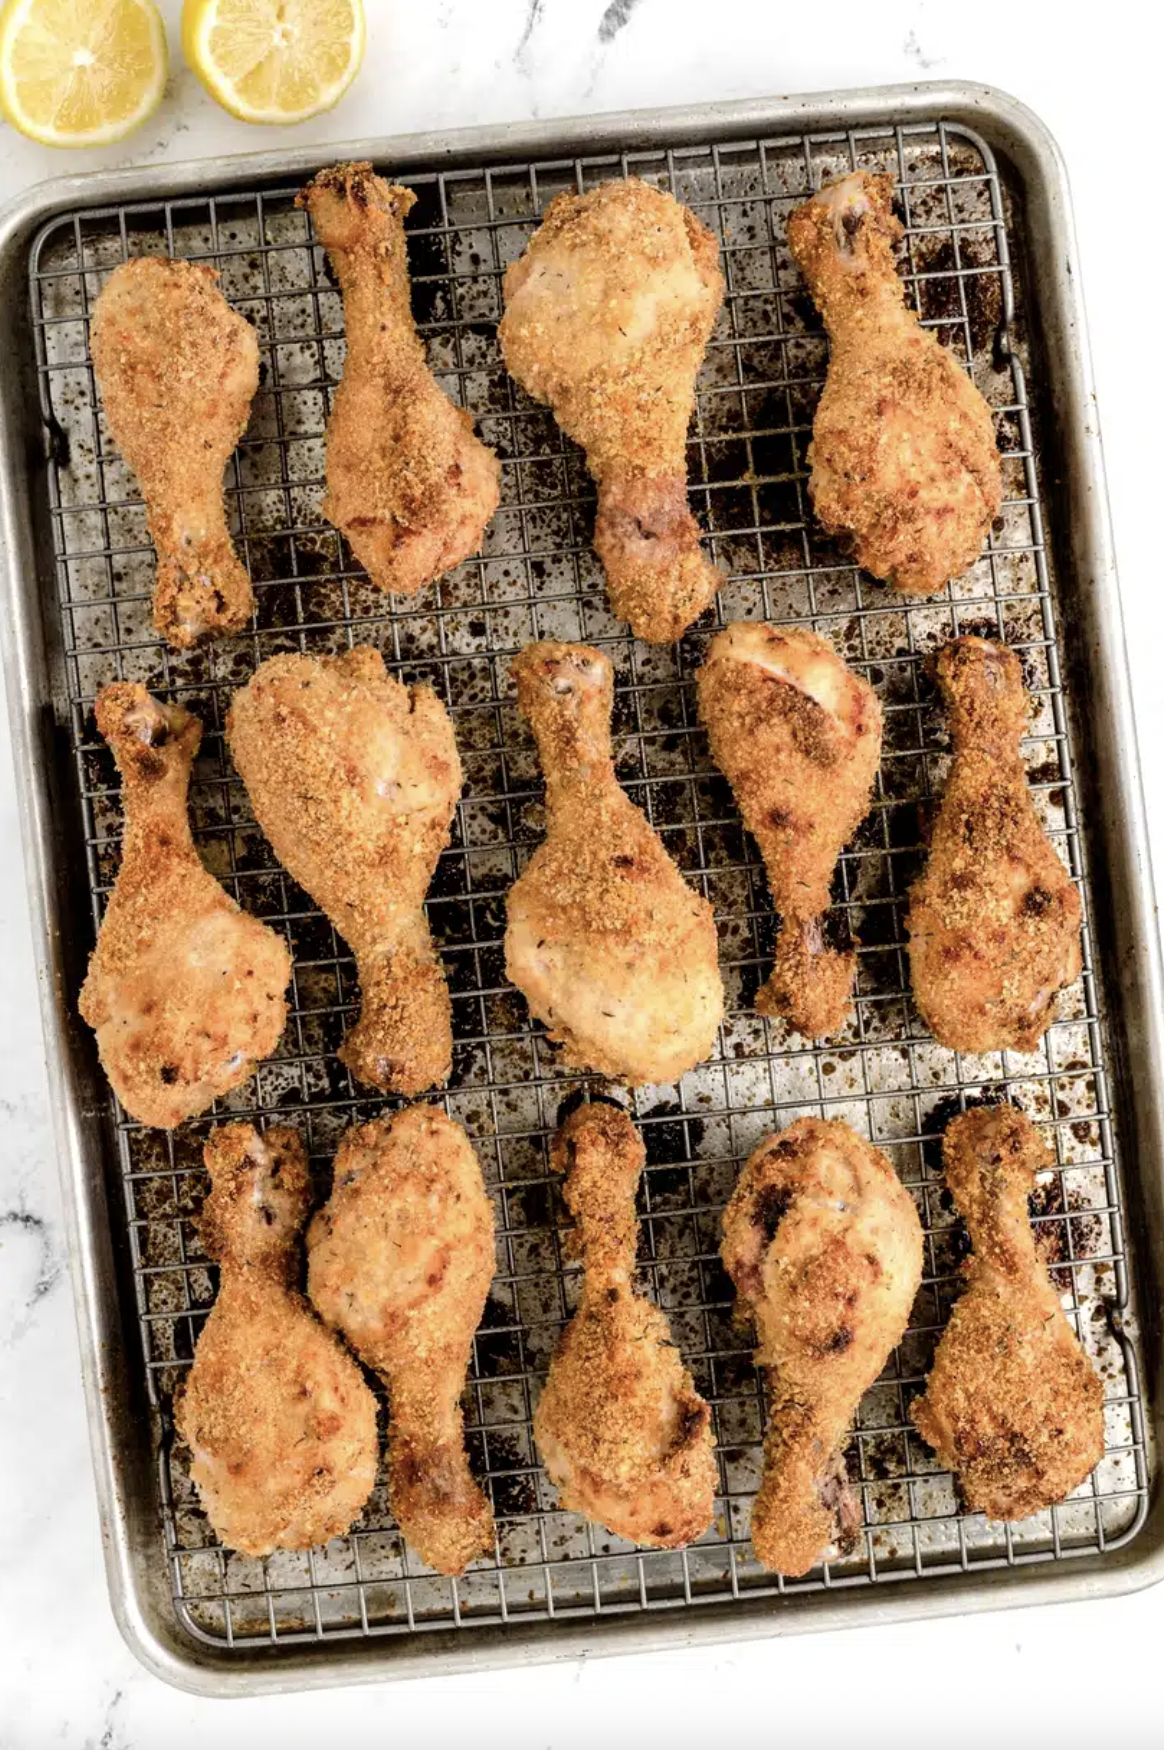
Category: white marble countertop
[1074,1675]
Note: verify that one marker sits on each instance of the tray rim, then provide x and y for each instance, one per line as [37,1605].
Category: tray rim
[140,1604]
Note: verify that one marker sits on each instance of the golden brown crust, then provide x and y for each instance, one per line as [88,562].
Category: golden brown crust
[824,1246]
[842,240]
[260,1193]
[177,369]
[994,920]
[354,778]
[1012,1403]
[408,481]
[184,989]
[400,1261]
[798,736]
[811,984]
[657,577]
[610,947]
[608,314]
[281,1426]
[904,457]
[623,1433]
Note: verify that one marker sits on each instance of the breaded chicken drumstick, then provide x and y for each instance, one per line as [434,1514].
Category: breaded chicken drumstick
[177,369]
[607,317]
[994,919]
[408,482]
[184,989]
[623,1433]
[904,458]
[400,1261]
[797,735]
[605,940]
[354,778]
[278,1418]
[824,1245]
[1012,1405]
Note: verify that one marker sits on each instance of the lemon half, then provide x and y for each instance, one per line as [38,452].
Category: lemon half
[80,72]
[274,60]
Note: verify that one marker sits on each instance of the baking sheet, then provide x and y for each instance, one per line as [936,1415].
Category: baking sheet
[537,577]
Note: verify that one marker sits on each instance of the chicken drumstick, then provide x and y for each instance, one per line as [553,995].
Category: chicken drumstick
[607,316]
[824,1245]
[623,1433]
[904,458]
[1013,1405]
[354,778]
[400,1260]
[798,737]
[994,919]
[276,1413]
[184,989]
[177,369]
[606,941]
[408,482]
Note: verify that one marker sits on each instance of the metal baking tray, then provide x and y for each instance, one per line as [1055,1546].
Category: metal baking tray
[990,259]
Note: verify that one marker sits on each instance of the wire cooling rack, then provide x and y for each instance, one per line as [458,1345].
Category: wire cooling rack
[537,577]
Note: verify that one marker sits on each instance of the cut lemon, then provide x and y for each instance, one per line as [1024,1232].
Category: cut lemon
[80,72]
[274,60]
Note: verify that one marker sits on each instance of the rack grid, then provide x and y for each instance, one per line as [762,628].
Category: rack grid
[537,577]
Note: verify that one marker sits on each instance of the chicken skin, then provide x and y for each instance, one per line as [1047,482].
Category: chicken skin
[354,778]
[185,991]
[1013,1405]
[607,943]
[607,317]
[280,1422]
[408,482]
[824,1245]
[400,1261]
[994,920]
[904,457]
[623,1433]
[798,737]
[178,369]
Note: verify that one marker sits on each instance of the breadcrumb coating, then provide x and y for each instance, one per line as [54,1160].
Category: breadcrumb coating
[798,736]
[408,481]
[177,370]
[623,1433]
[184,990]
[607,317]
[994,919]
[354,779]
[824,1245]
[279,1420]
[1012,1405]
[904,457]
[610,947]
[400,1261]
